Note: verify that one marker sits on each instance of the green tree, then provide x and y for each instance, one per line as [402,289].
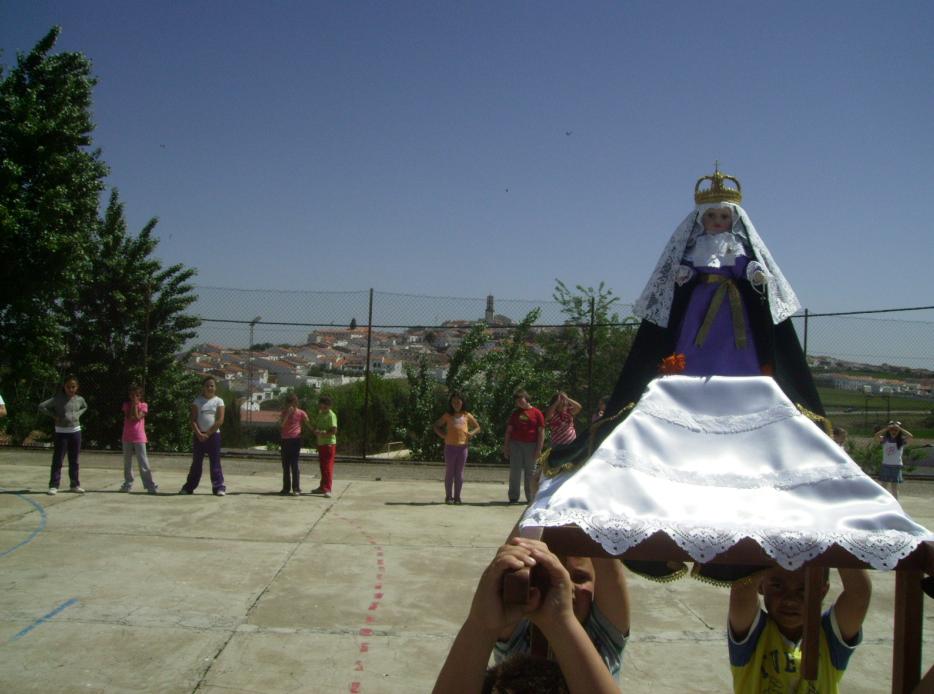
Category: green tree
[488,376]
[567,351]
[388,399]
[50,182]
[424,406]
[133,322]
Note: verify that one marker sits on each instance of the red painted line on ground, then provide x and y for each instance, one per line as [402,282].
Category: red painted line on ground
[364,646]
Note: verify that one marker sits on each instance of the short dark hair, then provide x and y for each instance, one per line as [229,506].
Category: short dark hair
[204,381]
[324,400]
[525,674]
[520,393]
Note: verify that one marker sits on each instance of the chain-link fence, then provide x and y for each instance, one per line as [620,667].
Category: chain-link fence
[372,332]
[236,318]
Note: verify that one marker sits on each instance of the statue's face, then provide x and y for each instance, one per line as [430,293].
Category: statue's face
[716,220]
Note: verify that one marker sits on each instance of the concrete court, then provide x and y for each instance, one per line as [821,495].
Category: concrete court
[111,592]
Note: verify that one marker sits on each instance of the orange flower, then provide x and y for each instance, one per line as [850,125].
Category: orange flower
[673,364]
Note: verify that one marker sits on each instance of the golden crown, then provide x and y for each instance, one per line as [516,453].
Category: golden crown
[717,192]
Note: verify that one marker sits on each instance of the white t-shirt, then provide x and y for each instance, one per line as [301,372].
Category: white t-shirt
[207,411]
[891,454]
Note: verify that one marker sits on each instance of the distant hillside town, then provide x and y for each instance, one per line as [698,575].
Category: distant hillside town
[856,376]
[337,356]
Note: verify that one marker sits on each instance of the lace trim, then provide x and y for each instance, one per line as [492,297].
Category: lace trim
[654,304]
[719,424]
[881,549]
[784,479]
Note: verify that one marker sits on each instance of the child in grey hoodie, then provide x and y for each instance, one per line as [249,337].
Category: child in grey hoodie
[66,408]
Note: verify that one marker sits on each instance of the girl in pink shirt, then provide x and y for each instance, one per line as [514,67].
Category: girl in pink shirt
[291,421]
[134,441]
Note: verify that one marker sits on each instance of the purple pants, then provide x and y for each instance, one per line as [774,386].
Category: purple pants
[71,442]
[455,459]
[212,447]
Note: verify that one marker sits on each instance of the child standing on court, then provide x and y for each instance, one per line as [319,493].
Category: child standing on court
[291,420]
[893,439]
[326,431]
[207,416]
[134,441]
[456,427]
[525,436]
[66,408]
[559,416]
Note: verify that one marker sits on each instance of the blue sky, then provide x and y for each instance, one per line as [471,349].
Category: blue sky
[461,149]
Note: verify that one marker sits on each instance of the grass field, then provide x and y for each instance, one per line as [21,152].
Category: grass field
[835,398]
[862,415]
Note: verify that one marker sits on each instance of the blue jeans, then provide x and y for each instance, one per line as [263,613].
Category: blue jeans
[291,449]
[71,442]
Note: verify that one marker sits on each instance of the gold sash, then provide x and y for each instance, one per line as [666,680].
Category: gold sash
[727,288]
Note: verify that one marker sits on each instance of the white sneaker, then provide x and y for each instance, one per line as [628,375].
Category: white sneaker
[53,491]
[77,490]
[126,486]
[220,492]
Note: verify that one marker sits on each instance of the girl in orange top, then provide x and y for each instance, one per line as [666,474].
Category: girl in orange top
[456,427]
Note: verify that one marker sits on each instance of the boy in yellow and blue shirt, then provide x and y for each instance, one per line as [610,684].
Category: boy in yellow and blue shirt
[765,645]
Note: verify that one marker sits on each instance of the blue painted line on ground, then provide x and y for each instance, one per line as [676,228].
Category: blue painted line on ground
[45,618]
[32,535]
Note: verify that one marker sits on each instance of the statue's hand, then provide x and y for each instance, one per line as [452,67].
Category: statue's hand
[683,274]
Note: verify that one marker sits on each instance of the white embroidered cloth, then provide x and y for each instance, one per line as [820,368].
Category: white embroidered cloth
[710,461]
[654,304]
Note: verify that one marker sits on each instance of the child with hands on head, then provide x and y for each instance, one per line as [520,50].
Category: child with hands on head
[291,420]
[559,415]
[893,438]
[554,612]
[134,441]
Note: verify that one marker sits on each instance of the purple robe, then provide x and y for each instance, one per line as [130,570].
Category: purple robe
[719,355]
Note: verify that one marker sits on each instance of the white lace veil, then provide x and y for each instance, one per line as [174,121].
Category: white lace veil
[654,304]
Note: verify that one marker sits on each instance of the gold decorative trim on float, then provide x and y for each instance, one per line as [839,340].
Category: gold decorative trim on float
[819,420]
[745,580]
[549,470]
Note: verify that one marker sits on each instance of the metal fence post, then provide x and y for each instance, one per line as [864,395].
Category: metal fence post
[146,335]
[805,332]
[366,374]
[590,350]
